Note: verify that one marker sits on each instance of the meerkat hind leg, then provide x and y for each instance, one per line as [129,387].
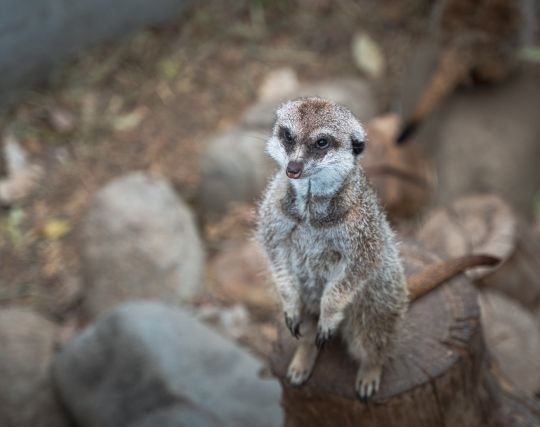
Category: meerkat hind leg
[304,358]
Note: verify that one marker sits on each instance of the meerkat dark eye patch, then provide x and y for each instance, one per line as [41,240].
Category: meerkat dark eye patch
[285,135]
[357,145]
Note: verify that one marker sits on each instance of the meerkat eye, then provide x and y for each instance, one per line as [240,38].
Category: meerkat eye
[322,143]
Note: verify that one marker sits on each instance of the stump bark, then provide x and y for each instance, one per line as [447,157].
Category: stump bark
[440,373]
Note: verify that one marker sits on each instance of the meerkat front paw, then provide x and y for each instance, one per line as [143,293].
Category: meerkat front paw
[293,323]
[324,335]
[367,382]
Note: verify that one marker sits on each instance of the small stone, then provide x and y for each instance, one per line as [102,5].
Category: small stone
[27,398]
[148,364]
[139,241]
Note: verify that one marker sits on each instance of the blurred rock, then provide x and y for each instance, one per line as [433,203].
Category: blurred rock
[486,140]
[147,364]
[239,275]
[139,241]
[513,338]
[22,176]
[235,168]
[351,92]
[278,84]
[231,322]
[27,397]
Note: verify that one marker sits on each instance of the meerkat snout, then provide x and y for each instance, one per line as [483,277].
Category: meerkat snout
[294,169]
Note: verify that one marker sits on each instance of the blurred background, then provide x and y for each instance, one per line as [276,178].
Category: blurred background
[132,156]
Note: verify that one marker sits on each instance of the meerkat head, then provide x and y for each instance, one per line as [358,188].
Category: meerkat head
[316,138]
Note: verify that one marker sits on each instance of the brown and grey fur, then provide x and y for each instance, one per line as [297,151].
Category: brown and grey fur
[332,253]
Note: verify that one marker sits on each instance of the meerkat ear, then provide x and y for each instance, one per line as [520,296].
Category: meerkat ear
[358,145]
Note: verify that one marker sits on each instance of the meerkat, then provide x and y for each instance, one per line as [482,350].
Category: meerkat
[331,251]
[478,42]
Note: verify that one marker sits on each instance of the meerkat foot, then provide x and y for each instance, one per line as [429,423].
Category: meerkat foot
[302,363]
[367,382]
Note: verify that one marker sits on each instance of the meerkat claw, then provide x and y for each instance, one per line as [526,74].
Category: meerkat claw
[368,384]
[297,378]
[293,324]
[323,337]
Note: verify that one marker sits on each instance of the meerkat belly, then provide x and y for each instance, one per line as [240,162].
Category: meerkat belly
[315,261]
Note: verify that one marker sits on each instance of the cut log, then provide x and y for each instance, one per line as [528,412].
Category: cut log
[440,374]
[479,224]
[519,276]
[486,224]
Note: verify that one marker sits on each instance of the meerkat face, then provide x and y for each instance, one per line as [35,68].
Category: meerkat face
[314,137]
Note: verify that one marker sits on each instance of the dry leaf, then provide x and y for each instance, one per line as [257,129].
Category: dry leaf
[56,228]
[367,55]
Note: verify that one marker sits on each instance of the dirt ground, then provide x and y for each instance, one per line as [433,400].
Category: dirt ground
[152,100]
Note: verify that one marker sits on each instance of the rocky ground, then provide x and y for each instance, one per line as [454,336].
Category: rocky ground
[147,156]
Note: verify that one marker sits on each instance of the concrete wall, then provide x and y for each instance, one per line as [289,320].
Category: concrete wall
[35,34]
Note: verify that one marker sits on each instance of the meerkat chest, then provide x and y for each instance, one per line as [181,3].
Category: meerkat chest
[316,259]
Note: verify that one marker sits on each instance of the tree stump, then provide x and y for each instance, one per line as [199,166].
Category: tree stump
[440,374]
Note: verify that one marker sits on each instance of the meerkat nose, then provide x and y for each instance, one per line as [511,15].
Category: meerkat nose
[294,169]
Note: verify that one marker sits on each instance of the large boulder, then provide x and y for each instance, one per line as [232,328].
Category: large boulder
[148,364]
[139,240]
[27,396]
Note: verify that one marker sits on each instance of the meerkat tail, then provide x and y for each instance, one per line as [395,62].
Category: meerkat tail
[451,69]
[434,275]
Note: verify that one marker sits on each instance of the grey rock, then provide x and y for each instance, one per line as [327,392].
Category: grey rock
[513,338]
[148,364]
[353,93]
[485,139]
[36,34]
[234,168]
[139,241]
[27,397]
